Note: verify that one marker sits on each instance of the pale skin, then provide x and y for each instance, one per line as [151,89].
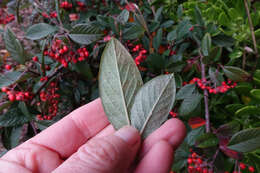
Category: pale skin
[85,141]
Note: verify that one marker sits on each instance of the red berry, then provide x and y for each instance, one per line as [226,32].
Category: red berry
[191,28]
[35,59]
[4,89]
[242,165]
[251,169]
[65,48]
[8,67]
[11,97]
[189,160]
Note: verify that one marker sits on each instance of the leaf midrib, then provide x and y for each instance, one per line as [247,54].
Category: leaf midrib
[150,113]
[121,87]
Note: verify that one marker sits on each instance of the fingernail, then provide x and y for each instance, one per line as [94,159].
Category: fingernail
[129,134]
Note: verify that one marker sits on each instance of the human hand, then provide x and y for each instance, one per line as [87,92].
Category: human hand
[84,141]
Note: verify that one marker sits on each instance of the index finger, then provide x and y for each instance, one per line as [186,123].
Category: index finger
[68,134]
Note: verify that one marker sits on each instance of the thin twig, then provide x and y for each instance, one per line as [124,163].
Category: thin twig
[252,33]
[49,78]
[33,127]
[206,95]
[152,7]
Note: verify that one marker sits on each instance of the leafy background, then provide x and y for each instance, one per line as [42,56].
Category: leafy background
[216,40]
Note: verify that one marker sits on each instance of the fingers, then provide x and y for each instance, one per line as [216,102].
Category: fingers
[158,159]
[67,135]
[11,167]
[172,131]
[113,153]
[32,157]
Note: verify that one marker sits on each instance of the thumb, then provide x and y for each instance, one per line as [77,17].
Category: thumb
[112,153]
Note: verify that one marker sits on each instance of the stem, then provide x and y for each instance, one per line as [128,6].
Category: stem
[33,127]
[49,78]
[252,32]
[152,7]
[206,95]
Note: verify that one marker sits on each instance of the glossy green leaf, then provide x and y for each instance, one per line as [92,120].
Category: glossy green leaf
[12,136]
[133,32]
[85,39]
[158,39]
[207,140]
[9,78]
[189,104]
[14,46]
[229,129]
[185,92]
[4,105]
[223,19]
[235,73]
[172,35]
[206,44]
[85,28]
[13,117]
[39,31]
[119,81]
[245,141]
[255,93]
[248,110]
[192,135]
[198,16]
[153,103]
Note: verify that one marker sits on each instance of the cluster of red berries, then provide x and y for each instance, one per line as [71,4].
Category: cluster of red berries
[140,51]
[243,166]
[61,53]
[66,5]
[174,114]
[204,84]
[51,97]
[17,95]
[52,15]
[197,165]
[5,18]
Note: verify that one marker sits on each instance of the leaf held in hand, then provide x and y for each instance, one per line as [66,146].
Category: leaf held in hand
[153,103]
[119,81]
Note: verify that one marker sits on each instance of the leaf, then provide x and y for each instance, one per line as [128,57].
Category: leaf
[183,29]
[153,103]
[255,93]
[248,110]
[39,31]
[123,16]
[119,81]
[22,106]
[158,14]
[185,92]
[14,46]
[206,44]
[207,140]
[158,39]
[4,105]
[198,16]
[223,40]
[223,19]
[85,28]
[235,73]
[192,135]
[229,129]
[13,117]
[133,32]
[189,104]
[172,35]
[246,140]
[9,78]
[85,39]
[12,136]
[195,122]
